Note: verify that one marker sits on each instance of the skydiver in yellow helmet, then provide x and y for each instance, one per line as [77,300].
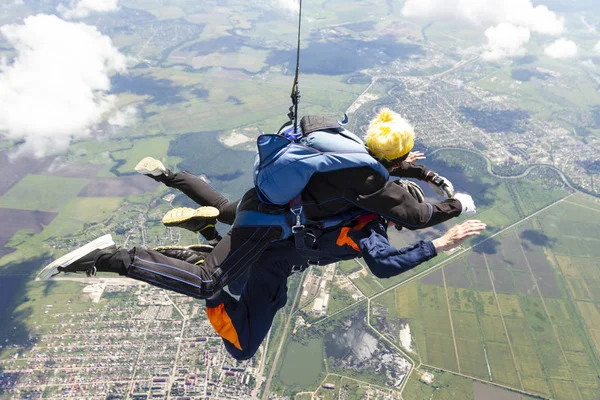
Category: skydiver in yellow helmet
[390,139]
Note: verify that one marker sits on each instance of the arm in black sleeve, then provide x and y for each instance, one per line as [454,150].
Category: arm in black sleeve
[397,205]
[409,170]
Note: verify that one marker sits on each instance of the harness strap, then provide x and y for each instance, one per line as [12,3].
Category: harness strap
[298,229]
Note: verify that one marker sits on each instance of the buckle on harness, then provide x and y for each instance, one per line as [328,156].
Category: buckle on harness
[296,268]
[298,228]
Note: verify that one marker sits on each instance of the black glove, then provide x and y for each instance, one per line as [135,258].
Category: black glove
[440,185]
[193,254]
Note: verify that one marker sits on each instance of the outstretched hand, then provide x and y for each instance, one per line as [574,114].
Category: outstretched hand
[415,156]
[458,234]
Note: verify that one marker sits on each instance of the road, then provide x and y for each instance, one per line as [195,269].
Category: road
[283,339]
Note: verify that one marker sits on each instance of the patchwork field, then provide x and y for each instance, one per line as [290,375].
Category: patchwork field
[450,387]
[525,315]
[15,220]
[500,203]
[42,193]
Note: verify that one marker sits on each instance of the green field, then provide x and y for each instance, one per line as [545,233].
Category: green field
[156,147]
[42,193]
[82,211]
[541,338]
[41,297]
[446,386]
[500,203]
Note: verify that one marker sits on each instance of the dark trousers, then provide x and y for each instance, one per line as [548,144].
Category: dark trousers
[230,259]
[234,254]
[202,193]
[243,324]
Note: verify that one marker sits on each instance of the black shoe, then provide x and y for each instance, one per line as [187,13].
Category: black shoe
[81,260]
[198,220]
[193,254]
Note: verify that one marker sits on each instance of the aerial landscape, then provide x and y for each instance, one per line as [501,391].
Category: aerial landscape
[505,101]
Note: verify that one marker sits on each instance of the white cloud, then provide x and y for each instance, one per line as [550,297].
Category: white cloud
[509,22]
[124,117]
[590,28]
[489,12]
[589,64]
[561,48]
[505,40]
[55,90]
[83,8]
[597,47]
[289,5]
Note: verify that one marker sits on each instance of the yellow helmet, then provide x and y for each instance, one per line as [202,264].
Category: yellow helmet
[389,136]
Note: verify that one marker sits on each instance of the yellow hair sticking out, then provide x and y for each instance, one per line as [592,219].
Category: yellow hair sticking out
[389,136]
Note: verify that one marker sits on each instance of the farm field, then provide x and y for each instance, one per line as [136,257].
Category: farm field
[449,387]
[524,314]
[500,203]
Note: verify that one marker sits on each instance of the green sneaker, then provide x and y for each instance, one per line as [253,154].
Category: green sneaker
[198,220]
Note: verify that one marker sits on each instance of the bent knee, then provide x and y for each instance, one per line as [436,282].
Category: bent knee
[241,355]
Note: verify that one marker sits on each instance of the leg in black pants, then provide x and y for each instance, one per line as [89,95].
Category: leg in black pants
[205,195]
[202,193]
[235,253]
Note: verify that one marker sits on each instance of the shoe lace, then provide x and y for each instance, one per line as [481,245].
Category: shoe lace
[91,272]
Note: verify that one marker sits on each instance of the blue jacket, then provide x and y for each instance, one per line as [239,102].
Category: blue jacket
[384,260]
[368,238]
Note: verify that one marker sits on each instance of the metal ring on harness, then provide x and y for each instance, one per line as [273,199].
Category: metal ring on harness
[297,268]
[298,228]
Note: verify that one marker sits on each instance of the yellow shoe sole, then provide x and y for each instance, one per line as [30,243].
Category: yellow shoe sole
[182,214]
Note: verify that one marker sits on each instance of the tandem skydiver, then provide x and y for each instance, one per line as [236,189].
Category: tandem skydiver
[339,177]
[244,323]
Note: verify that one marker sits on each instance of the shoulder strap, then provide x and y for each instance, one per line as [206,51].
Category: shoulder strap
[312,123]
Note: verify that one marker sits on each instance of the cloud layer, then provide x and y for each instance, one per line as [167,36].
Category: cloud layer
[510,22]
[561,48]
[489,12]
[83,8]
[505,40]
[289,5]
[55,90]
